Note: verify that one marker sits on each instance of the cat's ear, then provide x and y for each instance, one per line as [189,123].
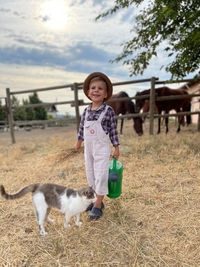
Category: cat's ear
[89,193]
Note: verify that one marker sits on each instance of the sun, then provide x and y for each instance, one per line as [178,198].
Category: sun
[54,14]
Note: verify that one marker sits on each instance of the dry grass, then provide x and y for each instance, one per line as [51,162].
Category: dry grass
[155,222]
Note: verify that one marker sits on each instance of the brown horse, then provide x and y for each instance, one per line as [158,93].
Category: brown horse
[123,107]
[146,109]
[167,105]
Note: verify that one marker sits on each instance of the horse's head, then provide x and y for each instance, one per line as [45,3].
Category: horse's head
[139,103]
[138,125]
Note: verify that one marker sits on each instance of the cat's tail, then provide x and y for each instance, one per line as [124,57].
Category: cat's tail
[30,188]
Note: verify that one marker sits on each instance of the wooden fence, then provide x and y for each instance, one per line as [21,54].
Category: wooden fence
[76,103]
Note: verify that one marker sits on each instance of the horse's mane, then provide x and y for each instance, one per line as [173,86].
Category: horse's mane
[145,92]
[160,90]
[129,102]
[120,94]
[123,94]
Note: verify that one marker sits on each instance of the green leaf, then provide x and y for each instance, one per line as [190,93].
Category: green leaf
[176,22]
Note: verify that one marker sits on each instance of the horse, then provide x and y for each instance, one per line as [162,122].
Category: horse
[146,109]
[167,105]
[123,107]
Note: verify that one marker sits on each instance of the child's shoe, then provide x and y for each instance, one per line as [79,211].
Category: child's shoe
[95,213]
[92,205]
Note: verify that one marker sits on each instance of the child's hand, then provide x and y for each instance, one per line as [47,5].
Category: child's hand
[76,148]
[116,152]
[78,145]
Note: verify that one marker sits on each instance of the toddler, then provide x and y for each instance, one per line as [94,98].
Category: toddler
[97,128]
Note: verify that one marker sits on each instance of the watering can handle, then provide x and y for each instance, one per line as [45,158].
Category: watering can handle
[114,163]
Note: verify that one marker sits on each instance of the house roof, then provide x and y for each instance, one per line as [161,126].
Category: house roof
[51,108]
[192,83]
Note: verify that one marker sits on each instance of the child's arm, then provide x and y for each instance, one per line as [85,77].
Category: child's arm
[116,152]
[114,134]
[80,132]
[78,145]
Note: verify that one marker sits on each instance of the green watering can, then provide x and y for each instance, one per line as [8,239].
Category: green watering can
[115,178]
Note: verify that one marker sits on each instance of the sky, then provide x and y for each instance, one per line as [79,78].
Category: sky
[48,43]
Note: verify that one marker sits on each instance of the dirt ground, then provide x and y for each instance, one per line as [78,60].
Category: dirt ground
[38,135]
[155,222]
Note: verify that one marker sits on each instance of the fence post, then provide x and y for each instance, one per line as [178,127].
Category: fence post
[6,110]
[10,115]
[75,87]
[198,123]
[152,105]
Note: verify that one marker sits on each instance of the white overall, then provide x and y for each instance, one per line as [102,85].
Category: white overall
[97,154]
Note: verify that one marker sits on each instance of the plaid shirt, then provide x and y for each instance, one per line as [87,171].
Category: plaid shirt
[108,123]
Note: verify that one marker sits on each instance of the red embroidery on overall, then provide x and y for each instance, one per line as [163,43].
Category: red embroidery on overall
[92,131]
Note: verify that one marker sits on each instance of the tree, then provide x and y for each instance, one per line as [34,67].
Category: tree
[2,112]
[177,22]
[40,112]
[30,112]
[19,114]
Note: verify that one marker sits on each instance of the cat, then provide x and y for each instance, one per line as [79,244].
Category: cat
[68,201]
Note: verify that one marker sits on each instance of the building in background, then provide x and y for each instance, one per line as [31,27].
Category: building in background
[194,88]
[52,111]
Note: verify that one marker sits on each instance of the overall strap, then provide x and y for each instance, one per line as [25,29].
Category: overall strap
[86,113]
[103,113]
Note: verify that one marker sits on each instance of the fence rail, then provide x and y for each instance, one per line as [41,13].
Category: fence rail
[41,89]
[43,104]
[42,122]
[76,103]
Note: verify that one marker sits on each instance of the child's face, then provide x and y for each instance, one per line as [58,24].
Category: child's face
[97,91]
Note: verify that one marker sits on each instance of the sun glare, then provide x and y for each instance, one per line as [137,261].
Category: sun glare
[54,13]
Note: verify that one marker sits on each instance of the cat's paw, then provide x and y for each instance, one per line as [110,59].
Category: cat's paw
[79,224]
[67,225]
[50,220]
[42,232]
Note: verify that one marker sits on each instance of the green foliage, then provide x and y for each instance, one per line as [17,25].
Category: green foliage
[18,114]
[29,113]
[2,112]
[40,112]
[49,117]
[176,23]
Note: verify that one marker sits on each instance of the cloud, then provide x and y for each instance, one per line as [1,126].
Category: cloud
[52,56]
[34,55]
[12,13]
[45,18]
[4,10]
[80,58]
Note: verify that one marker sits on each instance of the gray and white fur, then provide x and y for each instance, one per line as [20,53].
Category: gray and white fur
[45,196]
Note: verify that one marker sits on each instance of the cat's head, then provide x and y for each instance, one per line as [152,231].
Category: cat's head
[88,193]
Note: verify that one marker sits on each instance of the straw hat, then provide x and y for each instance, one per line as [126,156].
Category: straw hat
[104,77]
